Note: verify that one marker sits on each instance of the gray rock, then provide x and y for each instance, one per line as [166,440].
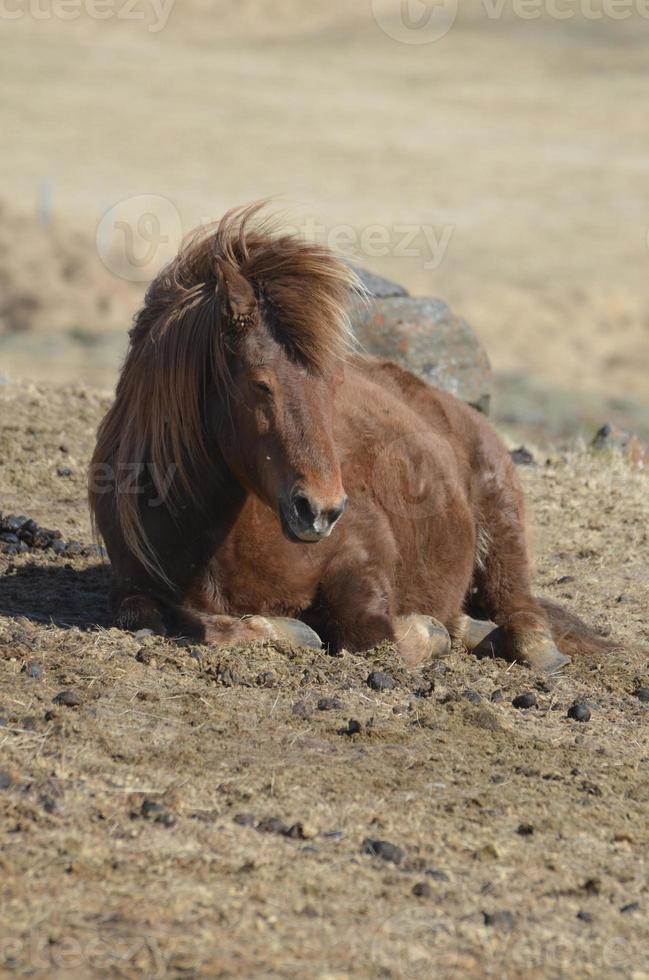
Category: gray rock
[426,337]
[377,287]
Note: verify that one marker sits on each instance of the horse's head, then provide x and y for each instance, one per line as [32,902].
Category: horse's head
[279,437]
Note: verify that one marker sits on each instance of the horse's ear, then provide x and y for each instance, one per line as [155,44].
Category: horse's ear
[238,295]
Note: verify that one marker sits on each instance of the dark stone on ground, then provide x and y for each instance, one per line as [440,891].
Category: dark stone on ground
[525,829]
[378,680]
[354,727]
[522,457]
[579,712]
[525,700]
[329,704]
[422,890]
[383,849]
[630,907]
[273,825]
[472,696]
[504,919]
[266,679]
[152,810]
[244,819]
[437,875]
[642,694]
[69,698]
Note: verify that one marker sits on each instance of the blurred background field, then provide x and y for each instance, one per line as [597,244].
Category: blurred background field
[521,145]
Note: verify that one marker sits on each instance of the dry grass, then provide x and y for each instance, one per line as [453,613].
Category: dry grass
[90,887]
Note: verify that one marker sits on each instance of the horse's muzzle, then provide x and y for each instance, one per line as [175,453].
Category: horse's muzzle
[303,519]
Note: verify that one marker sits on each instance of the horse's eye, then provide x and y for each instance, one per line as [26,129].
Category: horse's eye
[263,388]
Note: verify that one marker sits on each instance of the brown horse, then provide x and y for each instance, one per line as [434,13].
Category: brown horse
[254,479]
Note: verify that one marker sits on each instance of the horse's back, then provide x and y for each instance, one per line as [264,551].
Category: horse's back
[445,414]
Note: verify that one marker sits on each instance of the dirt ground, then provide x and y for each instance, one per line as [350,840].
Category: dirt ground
[520,144]
[130,842]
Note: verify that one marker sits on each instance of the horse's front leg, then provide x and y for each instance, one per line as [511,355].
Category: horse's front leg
[354,612]
[138,612]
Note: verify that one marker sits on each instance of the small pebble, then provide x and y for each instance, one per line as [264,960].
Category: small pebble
[266,679]
[436,874]
[354,727]
[69,698]
[383,849]
[630,907]
[48,804]
[152,810]
[33,670]
[229,677]
[642,694]
[273,825]
[497,695]
[378,680]
[522,456]
[329,704]
[422,890]
[472,696]
[527,700]
[579,712]
[504,919]
[525,829]
[584,916]
[244,819]
[5,779]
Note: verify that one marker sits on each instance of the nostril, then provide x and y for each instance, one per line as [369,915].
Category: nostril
[304,509]
[334,514]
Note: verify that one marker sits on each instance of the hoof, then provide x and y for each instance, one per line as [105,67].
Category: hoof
[472,632]
[536,650]
[542,654]
[139,612]
[421,638]
[293,632]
